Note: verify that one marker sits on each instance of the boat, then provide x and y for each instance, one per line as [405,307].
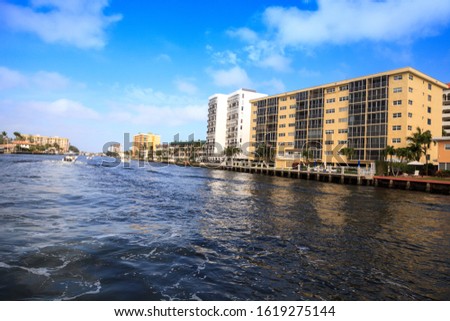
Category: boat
[104,161]
[69,159]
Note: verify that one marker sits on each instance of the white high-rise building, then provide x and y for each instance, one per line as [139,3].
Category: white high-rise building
[229,121]
[217,120]
[446,111]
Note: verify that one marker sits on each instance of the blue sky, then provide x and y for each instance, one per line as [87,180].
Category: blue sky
[92,70]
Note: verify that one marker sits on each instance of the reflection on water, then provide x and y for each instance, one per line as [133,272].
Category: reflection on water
[80,232]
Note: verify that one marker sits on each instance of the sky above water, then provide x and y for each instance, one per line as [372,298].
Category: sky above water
[93,70]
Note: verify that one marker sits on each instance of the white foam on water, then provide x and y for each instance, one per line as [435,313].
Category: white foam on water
[97,284]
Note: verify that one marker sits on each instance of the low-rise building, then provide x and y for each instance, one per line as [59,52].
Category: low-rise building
[443,152]
[60,144]
[144,145]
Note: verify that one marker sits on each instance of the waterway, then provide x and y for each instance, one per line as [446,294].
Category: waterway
[83,232]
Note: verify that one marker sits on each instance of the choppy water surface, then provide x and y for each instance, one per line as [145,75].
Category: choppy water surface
[75,231]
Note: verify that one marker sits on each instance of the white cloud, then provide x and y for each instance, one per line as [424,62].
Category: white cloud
[163,58]
[274,86]
[50,80]
[244,34]
[151,115]
[41,80]
[146,106]
[225,57]
[308,73]
[81,23]
[347,21]
[11,78]
[234,77]
[63,108]
[186,86]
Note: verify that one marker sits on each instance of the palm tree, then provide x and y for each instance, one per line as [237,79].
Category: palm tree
[390,151]
[347,152]
[18,135]
[4,137]
[419,145]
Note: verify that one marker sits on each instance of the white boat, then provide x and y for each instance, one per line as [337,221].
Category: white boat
[102,161]
[69,159]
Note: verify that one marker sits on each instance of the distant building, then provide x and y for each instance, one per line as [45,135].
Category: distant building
[446,110]
[144,145]
[56,142]
[365,114]
[114,148]
[229,121]
[443,152]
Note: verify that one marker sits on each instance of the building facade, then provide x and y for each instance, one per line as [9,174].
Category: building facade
[446,111]
[217,122]
[443,157]
[365,114]
[229,120]
[63,143]
[144,145]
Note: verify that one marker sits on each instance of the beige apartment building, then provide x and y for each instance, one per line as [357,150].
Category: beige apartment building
[366,114]
[63,143]
[144,145]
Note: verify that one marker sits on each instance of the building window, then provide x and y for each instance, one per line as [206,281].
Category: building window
[282,126]
[293,106]
[329,121]
[329,131]
[397,115]
[397,102]
[281,134]
[410,89]
[410,102]
[396,140]
[291,134]
[283,98]
[343,109]
[283,108]
[342,88]
[447,146]
[398,90]
[429,97]
[330,111]
[331,100]
[396,127]
[429,109]
[282,116]
[411,77]
[343,120]
[342,142]
[292,125]
[429,121]
[343,131]
[429,86]
[329,142]
[410,115]
[398,77]
[291,115]
[409,127]
[344,98]
[329,153]
[331,90]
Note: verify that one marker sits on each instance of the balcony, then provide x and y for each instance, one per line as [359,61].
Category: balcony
[446,124]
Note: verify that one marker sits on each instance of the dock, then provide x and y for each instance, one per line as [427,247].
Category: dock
[347,175]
